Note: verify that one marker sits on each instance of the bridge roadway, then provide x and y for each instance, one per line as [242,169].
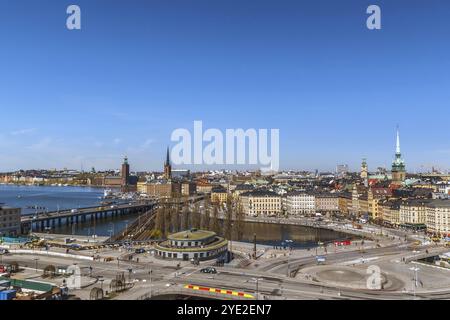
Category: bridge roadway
[43,220]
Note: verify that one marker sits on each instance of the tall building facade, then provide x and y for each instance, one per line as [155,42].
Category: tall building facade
[125,174]
[398,165]
[298,202]
[261,203]
[9,221]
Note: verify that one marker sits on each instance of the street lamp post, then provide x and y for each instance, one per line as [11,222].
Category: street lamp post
[257,286]
[415,279]
[151,284]
[35,263]
[231,241]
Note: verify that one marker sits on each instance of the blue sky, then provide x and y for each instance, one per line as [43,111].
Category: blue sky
[140,69]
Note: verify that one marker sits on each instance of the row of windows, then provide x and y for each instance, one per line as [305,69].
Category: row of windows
[184,243]
[8,225]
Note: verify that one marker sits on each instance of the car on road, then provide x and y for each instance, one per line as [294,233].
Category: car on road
[209,270]
[3,251]
[139,251]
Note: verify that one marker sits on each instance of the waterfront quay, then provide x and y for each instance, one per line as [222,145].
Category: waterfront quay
[39,222]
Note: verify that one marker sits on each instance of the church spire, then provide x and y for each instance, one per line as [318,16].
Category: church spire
[167,157]
[397,149]
[167,166]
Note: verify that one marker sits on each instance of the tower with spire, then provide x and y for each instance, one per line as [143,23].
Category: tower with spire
[364,172]
[398,165]
[167,166]
[364,169]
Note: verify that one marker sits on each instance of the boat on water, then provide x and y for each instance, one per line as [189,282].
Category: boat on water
[107,193]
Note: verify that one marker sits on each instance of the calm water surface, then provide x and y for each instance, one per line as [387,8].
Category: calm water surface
[52,198]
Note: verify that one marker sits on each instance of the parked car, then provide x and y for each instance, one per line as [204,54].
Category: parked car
[139,250]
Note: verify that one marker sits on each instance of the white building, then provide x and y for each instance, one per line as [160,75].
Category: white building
[299,202]
[438,217]
[413,213]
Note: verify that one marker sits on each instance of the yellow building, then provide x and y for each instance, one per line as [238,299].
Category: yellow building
[345,202]
[159,189]
[261,203]
[390,211]
[219,195]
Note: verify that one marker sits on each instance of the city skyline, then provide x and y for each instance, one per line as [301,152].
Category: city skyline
[135,73]
[242,168]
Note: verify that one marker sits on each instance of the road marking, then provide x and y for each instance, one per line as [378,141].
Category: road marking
[221,291]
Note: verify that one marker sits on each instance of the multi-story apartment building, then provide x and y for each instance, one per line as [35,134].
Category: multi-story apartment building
[261,203]
[188,188]
[161,189]
[374,196]
[326,202]
[241,188]
[389,210]
[345,202]
[219,195]
[413,213]
[299,202]
[203,186]
[9,221]
[438,217]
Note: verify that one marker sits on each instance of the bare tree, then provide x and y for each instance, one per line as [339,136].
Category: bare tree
[214,221]
[167,220]
[206,217]
[176,218]
[239,221]
[228,219]
[159,220]
[195,216]
[185,217]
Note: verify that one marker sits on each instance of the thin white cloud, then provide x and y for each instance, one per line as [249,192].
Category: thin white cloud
[41,144]
[22,131]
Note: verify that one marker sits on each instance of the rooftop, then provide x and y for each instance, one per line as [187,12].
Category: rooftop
[193,234]
[260,193]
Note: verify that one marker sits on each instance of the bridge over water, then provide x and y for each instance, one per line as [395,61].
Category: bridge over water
[53,219]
